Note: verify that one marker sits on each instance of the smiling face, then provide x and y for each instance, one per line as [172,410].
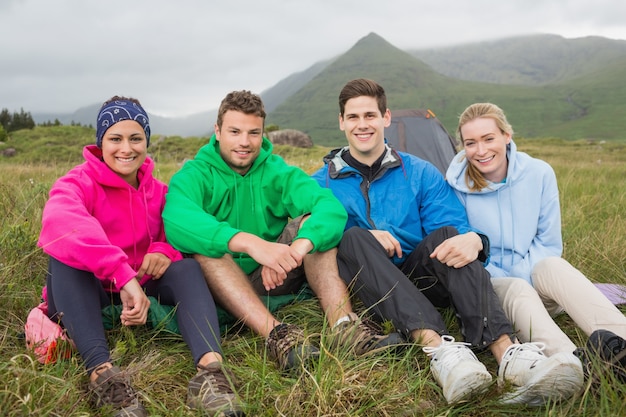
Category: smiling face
[124,149]
[485,147]
[240,138]
[364,127]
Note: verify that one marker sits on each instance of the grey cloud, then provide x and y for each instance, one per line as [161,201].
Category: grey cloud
[181,57]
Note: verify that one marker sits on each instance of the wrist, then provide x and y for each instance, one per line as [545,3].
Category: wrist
[483,254]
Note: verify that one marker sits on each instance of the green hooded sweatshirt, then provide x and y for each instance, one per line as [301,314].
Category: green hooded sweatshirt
[207,203]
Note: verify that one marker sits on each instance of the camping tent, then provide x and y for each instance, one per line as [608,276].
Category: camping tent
[420,133]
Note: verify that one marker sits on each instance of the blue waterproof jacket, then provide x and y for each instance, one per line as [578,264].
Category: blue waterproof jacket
[408,197]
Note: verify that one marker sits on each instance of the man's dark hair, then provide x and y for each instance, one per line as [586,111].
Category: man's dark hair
[362,87]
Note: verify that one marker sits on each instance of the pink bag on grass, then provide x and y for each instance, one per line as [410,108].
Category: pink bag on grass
[46,338]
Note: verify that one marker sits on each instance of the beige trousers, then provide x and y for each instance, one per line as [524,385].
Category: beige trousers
[558,287]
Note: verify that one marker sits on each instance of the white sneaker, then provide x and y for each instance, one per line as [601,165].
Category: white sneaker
[457,370]
[539,379]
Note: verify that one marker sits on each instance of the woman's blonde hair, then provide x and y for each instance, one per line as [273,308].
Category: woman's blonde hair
[474,180]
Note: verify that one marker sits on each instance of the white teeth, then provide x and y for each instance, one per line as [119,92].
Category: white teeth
[485,160]
[125,159]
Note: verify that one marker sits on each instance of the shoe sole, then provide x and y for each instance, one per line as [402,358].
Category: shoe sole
[471,384]
[557,382]
[302,356]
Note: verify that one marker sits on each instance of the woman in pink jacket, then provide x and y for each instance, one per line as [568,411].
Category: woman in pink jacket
[103,230]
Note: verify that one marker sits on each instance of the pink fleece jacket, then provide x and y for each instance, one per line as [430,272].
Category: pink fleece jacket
[95,221]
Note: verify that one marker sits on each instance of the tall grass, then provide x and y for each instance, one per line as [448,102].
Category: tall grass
[592,180]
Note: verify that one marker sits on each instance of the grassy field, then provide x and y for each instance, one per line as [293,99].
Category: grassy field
[592,180]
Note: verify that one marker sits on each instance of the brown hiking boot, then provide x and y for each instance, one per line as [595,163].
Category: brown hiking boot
[287,346]
[112,388]
[210,390]
[363,336]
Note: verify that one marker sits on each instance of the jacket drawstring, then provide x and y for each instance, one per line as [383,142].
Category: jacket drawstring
[513,239]
[236,202]
[132,220]
[145,206]
[251,195]
[503,234]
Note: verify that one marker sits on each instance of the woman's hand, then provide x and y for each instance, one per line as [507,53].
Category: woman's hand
[154,264]
[135,304]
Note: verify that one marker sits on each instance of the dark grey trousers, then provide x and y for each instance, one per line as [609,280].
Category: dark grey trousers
[78,296]
[410,295]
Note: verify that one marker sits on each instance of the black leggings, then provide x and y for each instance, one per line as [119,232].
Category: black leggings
[78,297]
[409,295]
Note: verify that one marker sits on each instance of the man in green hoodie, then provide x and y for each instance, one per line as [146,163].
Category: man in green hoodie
[259,226]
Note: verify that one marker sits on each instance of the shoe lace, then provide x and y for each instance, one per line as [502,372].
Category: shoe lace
[115,390]
[369,329]
[534,347]
[446,341]
[216,378]
[283,338]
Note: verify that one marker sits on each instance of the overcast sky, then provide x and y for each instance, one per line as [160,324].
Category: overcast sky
[181,57]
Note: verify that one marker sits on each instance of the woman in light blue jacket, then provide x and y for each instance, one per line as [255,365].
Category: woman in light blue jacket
[514,199]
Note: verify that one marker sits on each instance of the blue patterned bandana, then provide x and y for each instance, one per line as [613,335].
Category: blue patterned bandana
[119,110]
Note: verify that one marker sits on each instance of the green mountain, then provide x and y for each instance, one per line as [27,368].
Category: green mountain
[314,109]
[586,104]
[290,85]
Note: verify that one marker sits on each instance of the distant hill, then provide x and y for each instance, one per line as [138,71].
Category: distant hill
[548,85]
[524,60]
[200,124]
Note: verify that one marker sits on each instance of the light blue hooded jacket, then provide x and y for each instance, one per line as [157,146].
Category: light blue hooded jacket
[521,216]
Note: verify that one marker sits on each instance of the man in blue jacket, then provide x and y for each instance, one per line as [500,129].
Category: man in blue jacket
[408,249]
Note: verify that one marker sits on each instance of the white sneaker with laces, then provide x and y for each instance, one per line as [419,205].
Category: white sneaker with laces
[539,379]
[457,370]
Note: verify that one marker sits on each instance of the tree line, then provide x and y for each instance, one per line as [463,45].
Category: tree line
[16,121]
[10,122]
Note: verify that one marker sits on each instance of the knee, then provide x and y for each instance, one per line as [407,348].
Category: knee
[187,269]
[353,236]
[446,232]
[547,267]
[354,232]
[549,263]
[210,262]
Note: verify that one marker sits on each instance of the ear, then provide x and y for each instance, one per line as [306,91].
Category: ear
[216,128]
[341,126]
[387,118]
[507,137]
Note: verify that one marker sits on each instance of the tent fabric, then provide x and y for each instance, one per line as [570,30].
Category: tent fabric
[419,132]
